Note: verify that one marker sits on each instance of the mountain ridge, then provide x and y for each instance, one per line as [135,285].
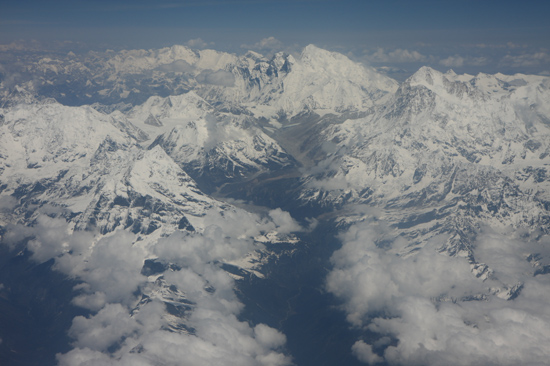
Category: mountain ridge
[443,176]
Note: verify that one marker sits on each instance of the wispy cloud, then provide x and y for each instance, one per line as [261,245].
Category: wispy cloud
[173,5]
[396,56]
[526,59]
[508,45]
[460,61]
[198,43]
[219,77]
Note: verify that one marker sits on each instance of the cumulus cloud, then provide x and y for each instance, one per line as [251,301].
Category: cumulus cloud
[50,238]
[269,44]
[188,311]
[426,306]
[111,267]
[213,334]
[453,61]
[269,337]
[364,353]
[107,327]
[283,222]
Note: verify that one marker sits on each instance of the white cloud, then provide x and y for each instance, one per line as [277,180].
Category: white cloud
[106,328]
[526,60]
[269,337]
[398,56]
[453,61]
[112,266]
[269,44]
[421,301]
[364,353]
[513,45]
[177,66]
[218,339]
[508,45]
[459,61]
[123,331]
[52,238]
[284,223]
[94,301]
[198,43]
[359,261]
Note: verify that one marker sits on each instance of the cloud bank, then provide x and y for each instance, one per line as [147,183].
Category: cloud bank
[429,309]
[183,311]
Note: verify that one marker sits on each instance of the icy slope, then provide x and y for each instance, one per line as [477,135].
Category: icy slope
[101,174]
[449,252]
[42,139]
[91,166]
[447,154]
[148,248]
[209,144]
[436,122]
[318,81]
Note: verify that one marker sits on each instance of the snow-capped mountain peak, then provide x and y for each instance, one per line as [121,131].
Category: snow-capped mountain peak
[436,191]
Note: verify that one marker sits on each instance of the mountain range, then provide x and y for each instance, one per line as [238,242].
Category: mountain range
[172,187]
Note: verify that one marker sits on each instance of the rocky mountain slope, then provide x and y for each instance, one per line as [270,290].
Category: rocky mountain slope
[476,147]
[121,217]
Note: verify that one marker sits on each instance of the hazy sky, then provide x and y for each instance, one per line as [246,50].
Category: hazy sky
[469,35]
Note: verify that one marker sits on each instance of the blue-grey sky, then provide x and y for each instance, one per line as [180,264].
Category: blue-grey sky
[466,35]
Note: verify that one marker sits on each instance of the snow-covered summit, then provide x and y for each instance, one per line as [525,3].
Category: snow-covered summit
[489,120]
[318,81]
[338,66]
[173,58]
[277,88]
[444,139]
[47,137]
[91,167]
